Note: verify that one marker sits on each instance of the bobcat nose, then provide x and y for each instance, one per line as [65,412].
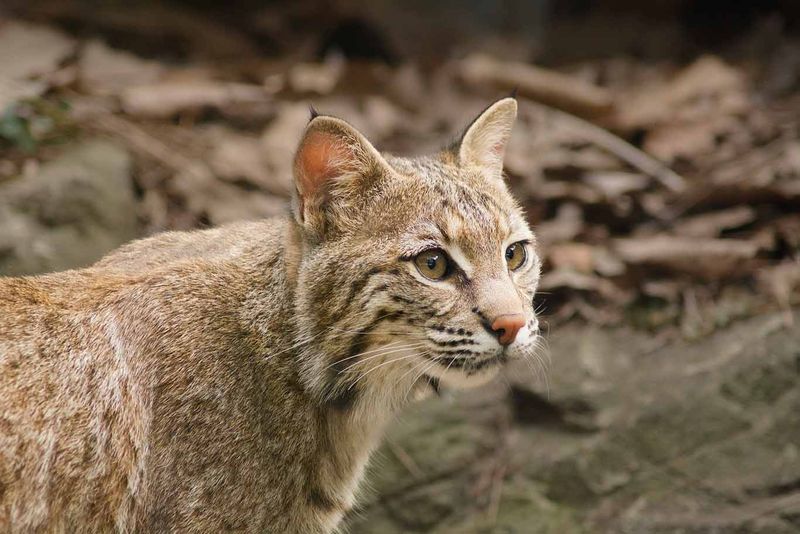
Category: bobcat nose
[506,327]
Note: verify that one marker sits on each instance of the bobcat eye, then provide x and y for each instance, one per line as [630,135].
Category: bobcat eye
[516,255]
[432,264]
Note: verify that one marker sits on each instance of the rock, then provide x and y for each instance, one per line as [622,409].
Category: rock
[420,510]
[222,202]
[438,438]
[633,435]
[522,509]
[69,213]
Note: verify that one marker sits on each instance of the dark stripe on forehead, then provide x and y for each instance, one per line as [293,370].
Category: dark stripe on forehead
[480,218]
[479,201]
[489,200]
[445,234]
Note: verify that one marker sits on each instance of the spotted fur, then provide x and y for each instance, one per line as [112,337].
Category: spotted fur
[238,378]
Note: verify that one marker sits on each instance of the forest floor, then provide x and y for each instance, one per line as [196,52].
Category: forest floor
[665,195]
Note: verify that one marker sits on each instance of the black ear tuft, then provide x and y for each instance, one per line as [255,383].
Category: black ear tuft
[313,112]
[514,92]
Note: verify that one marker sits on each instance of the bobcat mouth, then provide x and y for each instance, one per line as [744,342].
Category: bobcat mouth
[469,364]
[460,371]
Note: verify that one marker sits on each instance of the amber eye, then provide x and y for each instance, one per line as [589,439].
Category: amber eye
[432,263]
[516,255]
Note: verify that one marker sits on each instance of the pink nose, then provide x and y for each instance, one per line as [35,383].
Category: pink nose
[506,326]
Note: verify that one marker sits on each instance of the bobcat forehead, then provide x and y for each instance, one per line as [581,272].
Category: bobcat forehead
[472,221]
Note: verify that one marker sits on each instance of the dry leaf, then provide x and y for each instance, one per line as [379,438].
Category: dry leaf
[614,184]
[105,71]
[707,86]
[567,279]
[781,281]
[712,224]
[163,100]
[242,158]
[544,85]
[688,140]
[575,256]
[710,258]
[320,78]
[279,140]
[222,202]
[567,224]
[28,55]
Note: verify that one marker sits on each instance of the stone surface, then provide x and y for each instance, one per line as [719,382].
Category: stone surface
[631,434]
[69,213]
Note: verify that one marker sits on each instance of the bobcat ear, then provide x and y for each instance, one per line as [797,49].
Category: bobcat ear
[332,158]
[483,144]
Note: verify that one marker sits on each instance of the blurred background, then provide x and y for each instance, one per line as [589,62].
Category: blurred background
[657,155]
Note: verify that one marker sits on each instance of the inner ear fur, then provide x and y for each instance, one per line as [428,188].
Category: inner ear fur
[332,155]
[483,144]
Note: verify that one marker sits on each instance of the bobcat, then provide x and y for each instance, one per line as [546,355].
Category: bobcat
[238,378]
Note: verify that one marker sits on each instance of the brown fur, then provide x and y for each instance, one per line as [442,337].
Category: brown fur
[238,378]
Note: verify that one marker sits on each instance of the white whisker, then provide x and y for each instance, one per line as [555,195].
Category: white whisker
[377,350]
[380,354]
[399,358]
[424,368]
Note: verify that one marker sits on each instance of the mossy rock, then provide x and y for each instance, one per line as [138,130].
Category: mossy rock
[674,430]
[435,438]
[72,212]
[522,509]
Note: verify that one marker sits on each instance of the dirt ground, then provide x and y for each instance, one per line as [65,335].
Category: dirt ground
[625,435]
[657,155]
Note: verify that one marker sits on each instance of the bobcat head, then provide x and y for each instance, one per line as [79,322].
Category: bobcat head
[414,271]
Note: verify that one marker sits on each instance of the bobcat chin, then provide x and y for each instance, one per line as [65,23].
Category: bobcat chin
[239,377]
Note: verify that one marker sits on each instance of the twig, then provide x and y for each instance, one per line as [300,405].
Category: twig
[146,143]
[541,84]
[496,493]
[405,459]
[620,148]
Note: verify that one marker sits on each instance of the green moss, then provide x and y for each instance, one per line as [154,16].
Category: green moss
[26,125]
[522,509]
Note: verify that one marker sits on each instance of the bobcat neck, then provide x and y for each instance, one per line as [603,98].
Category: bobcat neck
[344,434]
[349,429]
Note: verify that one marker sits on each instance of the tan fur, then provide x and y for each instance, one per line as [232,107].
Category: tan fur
[238,378]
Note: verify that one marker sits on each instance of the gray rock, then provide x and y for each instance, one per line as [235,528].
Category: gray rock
[70,213]
[632,436]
